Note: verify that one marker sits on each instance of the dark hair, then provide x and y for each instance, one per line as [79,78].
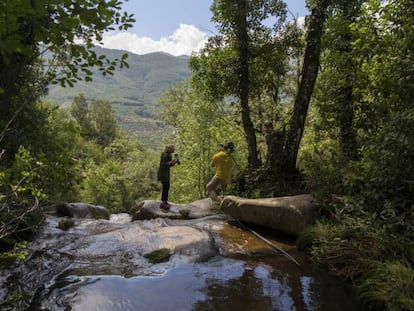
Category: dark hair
[229,146]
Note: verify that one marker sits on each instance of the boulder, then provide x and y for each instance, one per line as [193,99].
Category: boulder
[150,209]
[289,214]
[77,210]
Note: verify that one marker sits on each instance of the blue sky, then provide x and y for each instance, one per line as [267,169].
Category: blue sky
[177,27]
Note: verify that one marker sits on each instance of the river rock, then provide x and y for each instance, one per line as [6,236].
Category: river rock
[289,214]
[78,210]
[136,239]
[150,209]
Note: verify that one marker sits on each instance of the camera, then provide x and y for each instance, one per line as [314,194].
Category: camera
[177,158]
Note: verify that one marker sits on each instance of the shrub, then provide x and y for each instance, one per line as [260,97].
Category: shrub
[389,286]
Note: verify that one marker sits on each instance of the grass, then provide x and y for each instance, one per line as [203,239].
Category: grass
[368,257]
[390,286]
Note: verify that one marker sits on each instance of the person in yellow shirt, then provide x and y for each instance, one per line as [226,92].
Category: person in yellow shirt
[223,164]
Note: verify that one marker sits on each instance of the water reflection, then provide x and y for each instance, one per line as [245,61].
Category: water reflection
[219,284]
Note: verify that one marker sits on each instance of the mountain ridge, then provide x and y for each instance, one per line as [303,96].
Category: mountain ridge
[134,92]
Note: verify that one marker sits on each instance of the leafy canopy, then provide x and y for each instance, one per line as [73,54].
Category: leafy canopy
[65,29]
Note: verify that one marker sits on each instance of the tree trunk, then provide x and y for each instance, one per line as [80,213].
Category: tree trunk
[344,95]
[309,74]
[346,124]
[242,48]
[20,87]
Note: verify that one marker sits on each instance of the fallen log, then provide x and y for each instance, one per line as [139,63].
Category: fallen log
[289,214]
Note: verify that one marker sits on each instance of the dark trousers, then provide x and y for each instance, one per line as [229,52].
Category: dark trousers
[165,190]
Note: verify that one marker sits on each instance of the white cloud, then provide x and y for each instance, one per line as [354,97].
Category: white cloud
[301,21]
[185,40]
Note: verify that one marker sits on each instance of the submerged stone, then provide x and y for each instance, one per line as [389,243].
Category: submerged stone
[66,224]
[159,255]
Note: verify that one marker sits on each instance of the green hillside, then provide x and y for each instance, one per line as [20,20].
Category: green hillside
[133,91]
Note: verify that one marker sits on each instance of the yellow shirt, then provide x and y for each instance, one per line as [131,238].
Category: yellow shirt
[223,164]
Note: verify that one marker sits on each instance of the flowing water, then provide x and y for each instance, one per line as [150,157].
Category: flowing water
[233,275]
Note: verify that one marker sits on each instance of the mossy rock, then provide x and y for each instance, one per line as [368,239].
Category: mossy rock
[185,213]
[66,224]
[7,261]
[158,256]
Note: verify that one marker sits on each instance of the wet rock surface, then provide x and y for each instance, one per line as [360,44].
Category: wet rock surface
[150,209]
[208,264]
[77,210]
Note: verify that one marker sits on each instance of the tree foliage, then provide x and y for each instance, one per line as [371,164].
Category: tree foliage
[45,172]
[374,192]
[43,42]
[96,119]
[382,112]
[200,126]
[47,42]
[66,29]
[232,62]
[388,114]
[125,175]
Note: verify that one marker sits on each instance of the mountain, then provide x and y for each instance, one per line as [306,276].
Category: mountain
[133,91]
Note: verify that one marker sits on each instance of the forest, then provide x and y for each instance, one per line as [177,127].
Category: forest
[338,89]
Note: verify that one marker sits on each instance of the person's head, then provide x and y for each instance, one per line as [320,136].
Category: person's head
[169,148]
[229,146]
[268,126]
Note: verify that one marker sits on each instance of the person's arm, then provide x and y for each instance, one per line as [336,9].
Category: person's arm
[169,160]
[166,160]
[214,160]
[172,162]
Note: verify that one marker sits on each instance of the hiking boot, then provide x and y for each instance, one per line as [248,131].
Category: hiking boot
[165,205]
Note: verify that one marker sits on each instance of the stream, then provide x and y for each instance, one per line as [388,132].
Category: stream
[100,265]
